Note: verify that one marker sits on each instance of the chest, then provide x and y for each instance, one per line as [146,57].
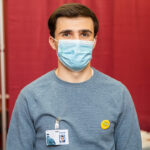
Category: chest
[80,112]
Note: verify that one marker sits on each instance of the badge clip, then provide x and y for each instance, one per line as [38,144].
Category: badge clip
[57,123]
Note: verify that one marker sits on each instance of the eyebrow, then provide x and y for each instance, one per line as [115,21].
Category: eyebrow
[65,31]
[86,30]
[68,31]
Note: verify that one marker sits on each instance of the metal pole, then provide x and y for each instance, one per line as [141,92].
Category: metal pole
[3,88]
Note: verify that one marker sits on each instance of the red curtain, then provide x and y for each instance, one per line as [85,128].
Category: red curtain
[122,49]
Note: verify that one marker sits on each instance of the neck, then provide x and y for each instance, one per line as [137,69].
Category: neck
[73,77]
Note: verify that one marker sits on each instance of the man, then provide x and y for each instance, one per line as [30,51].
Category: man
[62,139]
[92,110]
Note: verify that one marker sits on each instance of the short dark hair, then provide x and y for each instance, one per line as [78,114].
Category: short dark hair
[71,10]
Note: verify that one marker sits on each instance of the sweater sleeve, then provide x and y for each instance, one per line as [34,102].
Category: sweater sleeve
[127,131]
[21,133]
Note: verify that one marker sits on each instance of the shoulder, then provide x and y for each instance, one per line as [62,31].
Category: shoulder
[114,90]
[39,85]
[107,81]
[110,86]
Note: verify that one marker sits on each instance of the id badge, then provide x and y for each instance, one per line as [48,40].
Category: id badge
[57,137]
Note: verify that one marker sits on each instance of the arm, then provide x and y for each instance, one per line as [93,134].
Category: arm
[127,131]
[21,133]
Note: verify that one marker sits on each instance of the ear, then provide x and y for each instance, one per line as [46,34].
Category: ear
[95,40]
[52,43]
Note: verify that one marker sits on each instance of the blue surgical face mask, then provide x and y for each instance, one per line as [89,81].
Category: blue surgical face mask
[75,54]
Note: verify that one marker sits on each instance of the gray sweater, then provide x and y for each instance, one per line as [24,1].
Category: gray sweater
[81,108]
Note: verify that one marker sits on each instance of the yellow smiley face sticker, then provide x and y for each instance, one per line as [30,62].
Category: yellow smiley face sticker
[105,124]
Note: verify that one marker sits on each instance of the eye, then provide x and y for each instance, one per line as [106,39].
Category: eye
[66,34]
[84,34]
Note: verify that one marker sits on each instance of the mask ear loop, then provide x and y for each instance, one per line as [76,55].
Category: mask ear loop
[54,39]
[94,43]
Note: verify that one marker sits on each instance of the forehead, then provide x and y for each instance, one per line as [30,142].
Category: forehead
[74,24]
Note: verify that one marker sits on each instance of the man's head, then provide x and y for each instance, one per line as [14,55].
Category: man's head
[71,10]
[62,138]
[79,24]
